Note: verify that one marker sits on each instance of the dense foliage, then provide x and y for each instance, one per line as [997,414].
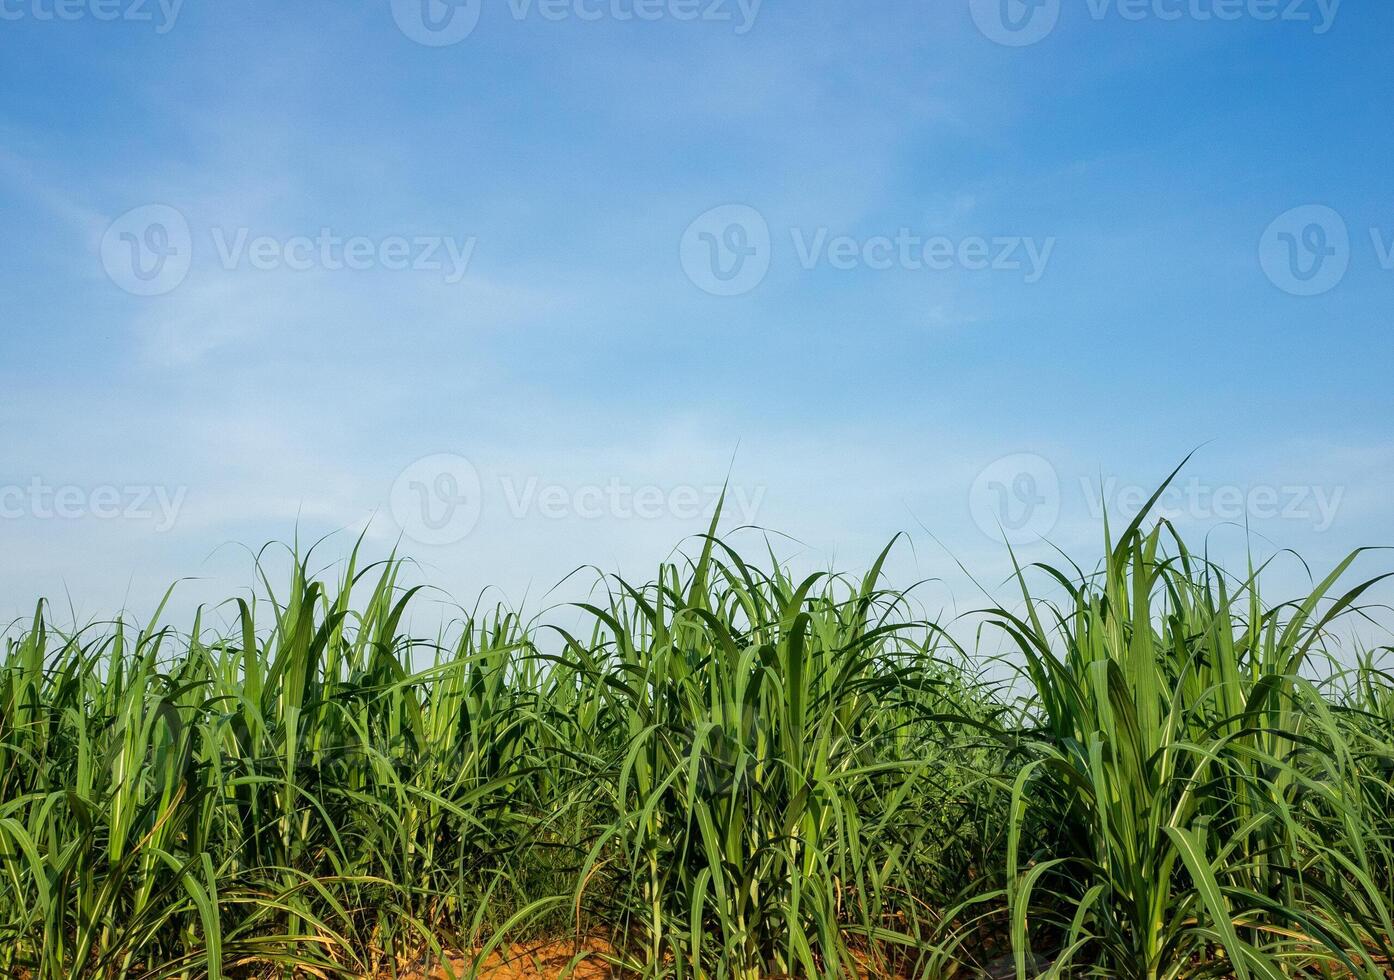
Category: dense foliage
[726,772]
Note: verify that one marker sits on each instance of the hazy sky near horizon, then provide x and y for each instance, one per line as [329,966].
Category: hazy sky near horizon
[517,284]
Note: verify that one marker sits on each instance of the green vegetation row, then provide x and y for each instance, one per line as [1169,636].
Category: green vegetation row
[726,772]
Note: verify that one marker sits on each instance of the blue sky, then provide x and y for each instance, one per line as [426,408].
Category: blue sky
[572,391]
